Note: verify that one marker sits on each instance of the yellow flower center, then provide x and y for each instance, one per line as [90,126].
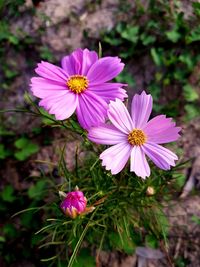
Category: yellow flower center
[77,83]
[137,137]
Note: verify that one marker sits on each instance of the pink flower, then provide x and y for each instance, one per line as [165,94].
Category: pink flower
[134,136]
[74,203]
[81,84]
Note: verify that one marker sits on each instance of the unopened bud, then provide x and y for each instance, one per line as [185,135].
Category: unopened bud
[150,191]
[74,204]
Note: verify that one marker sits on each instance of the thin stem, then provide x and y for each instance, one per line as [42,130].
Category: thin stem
[71,261]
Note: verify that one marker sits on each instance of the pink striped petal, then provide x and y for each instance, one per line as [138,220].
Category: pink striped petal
[72,63]
[141,109]
[119,116]
[116,157]
[161,156]
[61,105]
[51,72]
[109,91]
[161,130]
[79,62]
[91,110]
[139,163]
[89,58]
[106,134]
[44,87]
[105,69]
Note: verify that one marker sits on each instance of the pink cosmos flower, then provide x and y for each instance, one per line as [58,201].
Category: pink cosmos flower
[134,136]
[74,203]
[80,84]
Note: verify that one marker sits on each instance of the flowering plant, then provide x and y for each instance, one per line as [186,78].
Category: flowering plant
[120,202]
[134,137]
[81,84]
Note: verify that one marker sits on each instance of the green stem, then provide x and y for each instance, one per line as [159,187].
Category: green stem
[73,256]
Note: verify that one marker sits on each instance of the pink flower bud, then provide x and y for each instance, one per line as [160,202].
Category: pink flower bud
[74,204]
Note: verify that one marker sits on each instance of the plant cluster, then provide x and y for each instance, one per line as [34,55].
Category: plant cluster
[119,209]
[124,211]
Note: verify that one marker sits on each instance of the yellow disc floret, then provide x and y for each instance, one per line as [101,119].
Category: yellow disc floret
[77,83]
[137,137]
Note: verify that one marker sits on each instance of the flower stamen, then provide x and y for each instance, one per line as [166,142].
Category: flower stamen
[77,83]
[137,137]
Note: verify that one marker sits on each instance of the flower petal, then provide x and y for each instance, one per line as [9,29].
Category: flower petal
[106,134]
[161,156]
[62,105]
[116,157]
[105,69]
[51,72]
[89,58]
[44,87]
[161,130]
[72,63]
[119,116]
[109,91]
[91,110]
[139,163]
[79,62]
[141,109]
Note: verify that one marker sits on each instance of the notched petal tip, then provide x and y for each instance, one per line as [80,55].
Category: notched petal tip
[144,93]
[114,102]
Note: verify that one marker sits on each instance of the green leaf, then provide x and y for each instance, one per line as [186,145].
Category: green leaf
[112,40]
[179,75]
[3,152]
[27,148]
[21,143]
[154,88]
[10,73]
[196,7]
[46,53]
[36,191]
[126,77]
[196,219]
[192,111]
[190,93]
[157,56]
[2,239]
[10,231]
[4,30]
[147,39]
[128,52]
[151,241]
[130,33]
[180,179]
[194,35]
[173,35]
[13,39]
[27,219]
[187,59]
[7,194]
